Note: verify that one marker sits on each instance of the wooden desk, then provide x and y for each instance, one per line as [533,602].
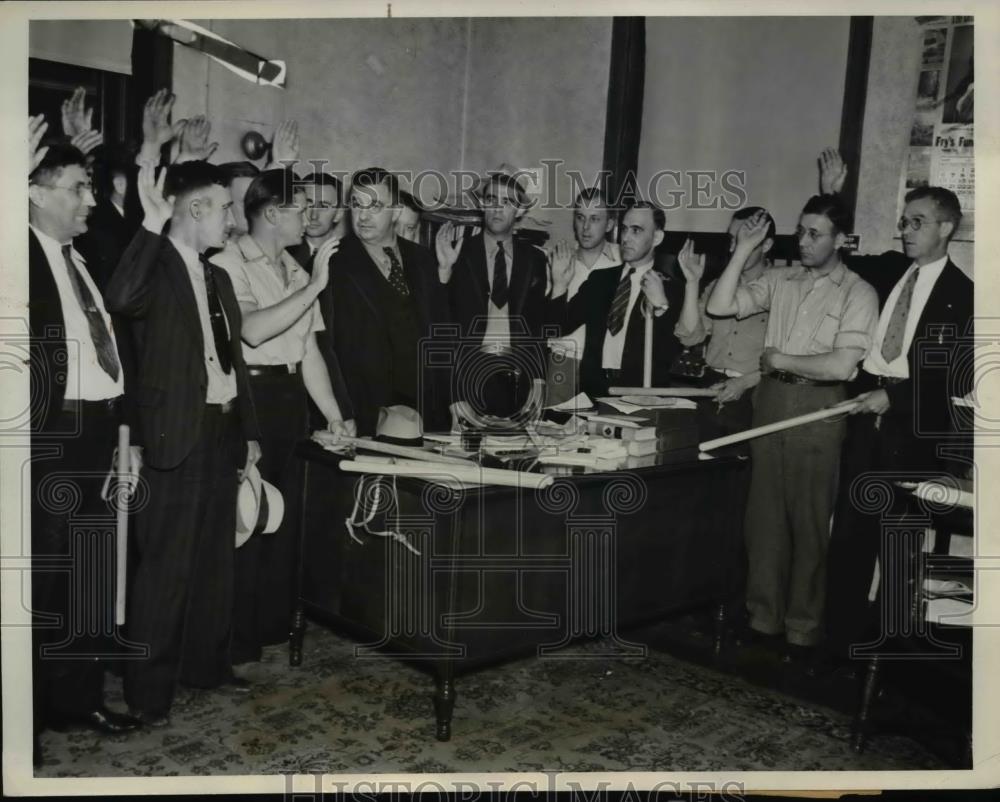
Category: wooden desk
[499,572]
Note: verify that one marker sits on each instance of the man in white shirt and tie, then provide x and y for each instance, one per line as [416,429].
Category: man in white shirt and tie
[76,392]
[906,425]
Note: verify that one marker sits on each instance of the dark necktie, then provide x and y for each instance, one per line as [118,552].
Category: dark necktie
[616,317]
[396,277]
[107,358]
[217,319]
[499,293]
[892,342]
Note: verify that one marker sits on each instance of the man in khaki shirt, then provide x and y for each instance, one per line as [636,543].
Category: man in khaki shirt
[822,317]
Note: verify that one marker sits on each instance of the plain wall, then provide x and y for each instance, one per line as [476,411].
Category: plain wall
[538,90]
[760,95]
[99,44]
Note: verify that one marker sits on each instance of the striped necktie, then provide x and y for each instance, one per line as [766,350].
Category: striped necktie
[892,342]
[616,317]
[107,357]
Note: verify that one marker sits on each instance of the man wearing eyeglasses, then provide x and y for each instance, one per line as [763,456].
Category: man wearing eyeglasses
[383,298]
[820,324]
[76,392]
[920,358]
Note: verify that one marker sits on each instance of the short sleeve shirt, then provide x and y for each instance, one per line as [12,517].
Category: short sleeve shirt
[259,284]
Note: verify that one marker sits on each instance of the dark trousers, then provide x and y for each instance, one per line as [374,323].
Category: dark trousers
[181,605]
[73,560]
[872,460]
[793,485]
[713,422]
[265,564]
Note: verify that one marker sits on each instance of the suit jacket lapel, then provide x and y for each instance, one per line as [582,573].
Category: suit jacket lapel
[180,280]
[477,269]
[44,305]
[364,272]
[520,279]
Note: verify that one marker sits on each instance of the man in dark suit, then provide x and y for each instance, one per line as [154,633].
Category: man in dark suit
[497,294]
[613,304]
[383,298]
[198,428]
[906,424]
[76,391]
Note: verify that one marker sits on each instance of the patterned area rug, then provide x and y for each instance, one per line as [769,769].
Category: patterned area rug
[340,714]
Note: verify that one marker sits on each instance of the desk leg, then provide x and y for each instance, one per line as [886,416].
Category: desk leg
[720,628]
[444,703]
[297,635]
[863,719]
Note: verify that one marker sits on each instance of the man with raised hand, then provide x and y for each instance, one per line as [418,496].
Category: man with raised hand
[906,425]
[196,422]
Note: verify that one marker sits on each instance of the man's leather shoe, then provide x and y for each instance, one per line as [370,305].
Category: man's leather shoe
[151,718]
[101,720]
[238,684]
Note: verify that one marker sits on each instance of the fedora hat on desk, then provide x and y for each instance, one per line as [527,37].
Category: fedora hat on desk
[260,507]
[400,425]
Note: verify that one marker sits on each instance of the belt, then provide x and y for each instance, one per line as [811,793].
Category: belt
[222,409]
[792,378]
[886,381]
[107,405]
[273,370]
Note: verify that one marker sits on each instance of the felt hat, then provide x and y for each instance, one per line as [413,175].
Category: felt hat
[401,425]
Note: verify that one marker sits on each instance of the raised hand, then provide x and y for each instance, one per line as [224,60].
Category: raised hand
[321,263]
[285,146]
[753,231]
[157,208]
[86,141]
[447,245]
[75,115]
[36,130]
[156,127]
[563,267]
[832,171]
[194,145]
[692,264]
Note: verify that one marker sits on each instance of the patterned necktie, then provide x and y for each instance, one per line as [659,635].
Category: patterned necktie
[892,342]
[396,277]
[616,317]
[217,319]
[107,358]
[499,292]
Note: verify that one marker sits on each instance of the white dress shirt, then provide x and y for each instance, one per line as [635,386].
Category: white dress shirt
[899,367]
[614,345]
[221,387]
[86,380]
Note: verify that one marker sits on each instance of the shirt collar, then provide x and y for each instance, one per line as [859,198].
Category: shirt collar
[837,275]
[252,252]
[641,268]
[492,242]
[930,267]
[606,253]
[188,254]
[48,241]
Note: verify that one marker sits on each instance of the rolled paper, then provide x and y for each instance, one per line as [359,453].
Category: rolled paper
[789,423]
[647,354]
[666,392]
[468,474]
[121,504]
[411,452]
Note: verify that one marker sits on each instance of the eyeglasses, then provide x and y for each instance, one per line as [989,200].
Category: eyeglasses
[913,223]
[80,190]
[373,206]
